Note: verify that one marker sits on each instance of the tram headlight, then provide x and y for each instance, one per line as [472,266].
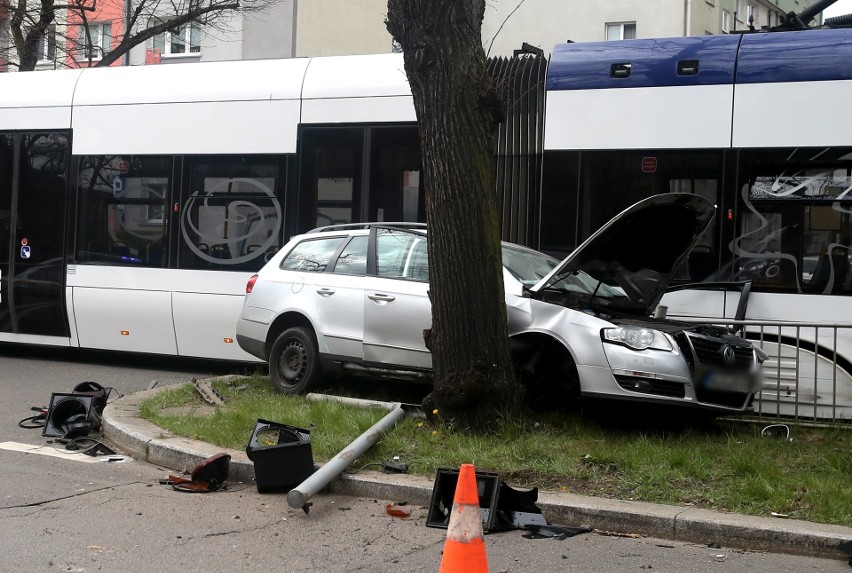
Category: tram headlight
[637,338]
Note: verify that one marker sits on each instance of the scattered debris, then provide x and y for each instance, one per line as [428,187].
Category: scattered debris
[93,447]
[210,475]
[36,421]
[398,510]
[779,431]
[395,466]
[776,514]
[553,532]
[617,534]
[208,392]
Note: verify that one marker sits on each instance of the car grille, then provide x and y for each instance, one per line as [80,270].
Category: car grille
[709,351]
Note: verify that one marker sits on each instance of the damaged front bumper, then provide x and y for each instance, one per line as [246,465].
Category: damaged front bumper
[689,374]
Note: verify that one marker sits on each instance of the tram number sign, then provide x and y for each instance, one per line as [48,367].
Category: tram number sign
[649,165]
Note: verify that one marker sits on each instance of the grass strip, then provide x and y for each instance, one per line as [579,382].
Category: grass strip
[722,465]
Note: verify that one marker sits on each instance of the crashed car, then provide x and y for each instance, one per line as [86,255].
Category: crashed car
[354,298]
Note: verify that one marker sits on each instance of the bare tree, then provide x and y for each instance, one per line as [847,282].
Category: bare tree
[457,110]
[30,23]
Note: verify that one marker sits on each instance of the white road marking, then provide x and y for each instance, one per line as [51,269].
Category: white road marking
[59,453]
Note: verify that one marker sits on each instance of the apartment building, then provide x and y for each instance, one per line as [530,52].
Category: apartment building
[290,28]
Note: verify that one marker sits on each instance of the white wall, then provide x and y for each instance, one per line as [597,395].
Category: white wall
[270,34]
[241,36]
[337,27]
[334,27]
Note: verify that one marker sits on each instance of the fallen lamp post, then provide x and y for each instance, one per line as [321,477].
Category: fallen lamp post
[299,496]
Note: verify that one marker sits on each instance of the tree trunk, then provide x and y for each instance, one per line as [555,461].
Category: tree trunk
[457,110]
[27,36]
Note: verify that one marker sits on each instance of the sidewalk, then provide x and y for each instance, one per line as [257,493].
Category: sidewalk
[141,439]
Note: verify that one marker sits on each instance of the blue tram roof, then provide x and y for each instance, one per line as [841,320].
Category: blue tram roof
[807,55]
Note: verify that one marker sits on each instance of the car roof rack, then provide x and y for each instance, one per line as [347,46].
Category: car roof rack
[351,226]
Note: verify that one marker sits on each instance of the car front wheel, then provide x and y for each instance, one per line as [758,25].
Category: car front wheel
[294,362]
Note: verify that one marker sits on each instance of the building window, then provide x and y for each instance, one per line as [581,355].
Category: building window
[179,41]
[621,31]
[94,46]
[749,13]
[47,46]
[726,21]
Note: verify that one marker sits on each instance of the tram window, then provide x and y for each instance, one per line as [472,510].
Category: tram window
[6,161]
[330,176]
[794,233]
[611,181]
[559,202]
[231,216]
[395,190]
[123,210]
[41,192]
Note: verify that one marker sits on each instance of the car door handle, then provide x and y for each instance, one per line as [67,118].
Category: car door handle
[380,297]
[325,291]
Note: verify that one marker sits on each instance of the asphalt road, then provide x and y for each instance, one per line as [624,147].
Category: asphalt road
[77,514]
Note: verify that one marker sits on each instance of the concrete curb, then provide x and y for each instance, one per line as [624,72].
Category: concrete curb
[143,440]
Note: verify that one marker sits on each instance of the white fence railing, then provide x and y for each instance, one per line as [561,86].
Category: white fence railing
[808,375]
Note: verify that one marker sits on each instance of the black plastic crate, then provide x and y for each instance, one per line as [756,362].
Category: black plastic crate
[281,454]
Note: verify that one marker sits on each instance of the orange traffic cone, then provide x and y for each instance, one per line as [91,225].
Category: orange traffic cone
[464,549]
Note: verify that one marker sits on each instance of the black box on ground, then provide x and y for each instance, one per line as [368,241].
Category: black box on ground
[281,454]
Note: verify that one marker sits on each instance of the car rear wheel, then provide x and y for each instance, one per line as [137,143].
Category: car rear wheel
[294,362]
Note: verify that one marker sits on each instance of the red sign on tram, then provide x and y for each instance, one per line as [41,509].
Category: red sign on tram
[649,164]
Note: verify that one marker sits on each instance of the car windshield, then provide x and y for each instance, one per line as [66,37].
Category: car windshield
[580,282]
[526,265]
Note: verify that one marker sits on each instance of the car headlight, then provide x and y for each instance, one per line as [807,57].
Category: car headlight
[637,338]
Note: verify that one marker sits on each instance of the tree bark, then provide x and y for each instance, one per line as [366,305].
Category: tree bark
[457,111]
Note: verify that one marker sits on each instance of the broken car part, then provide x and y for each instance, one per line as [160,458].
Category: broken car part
[210,475]
[208,392]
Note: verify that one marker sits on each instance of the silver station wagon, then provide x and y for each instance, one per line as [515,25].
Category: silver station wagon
[354,299]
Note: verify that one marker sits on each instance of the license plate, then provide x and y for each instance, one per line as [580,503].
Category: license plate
[725,382]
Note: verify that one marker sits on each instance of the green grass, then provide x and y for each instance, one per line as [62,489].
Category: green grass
[721,465]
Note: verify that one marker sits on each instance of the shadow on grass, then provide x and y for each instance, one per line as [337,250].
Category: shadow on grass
[617,417]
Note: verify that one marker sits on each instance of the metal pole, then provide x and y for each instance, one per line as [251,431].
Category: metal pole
[299,496]
[352,401]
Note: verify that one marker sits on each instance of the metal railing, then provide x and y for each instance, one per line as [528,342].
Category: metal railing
[808,375]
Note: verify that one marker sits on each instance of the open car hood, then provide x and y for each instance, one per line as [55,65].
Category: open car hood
[627,265]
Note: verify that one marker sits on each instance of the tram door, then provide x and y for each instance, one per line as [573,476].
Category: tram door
[33,188]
